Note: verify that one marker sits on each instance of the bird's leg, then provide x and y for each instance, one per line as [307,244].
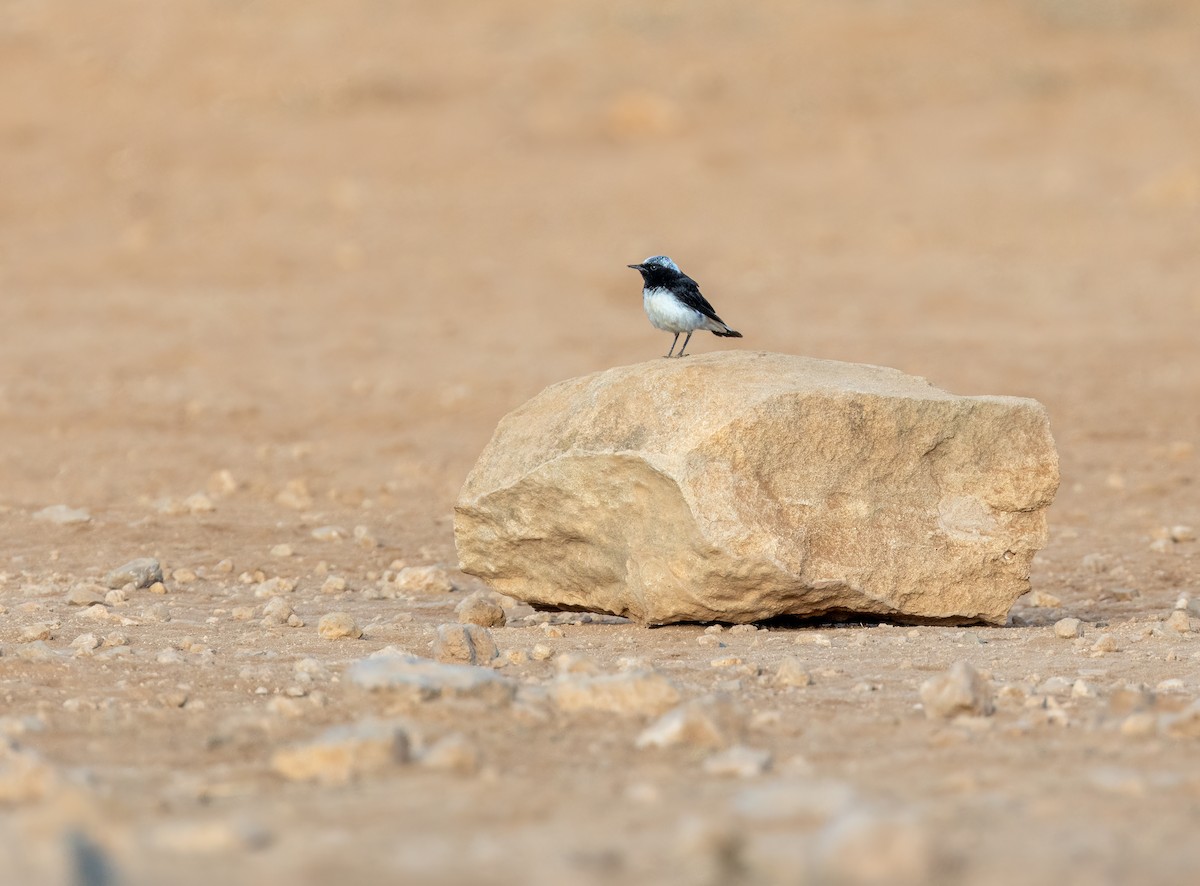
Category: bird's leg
[685,344]
[670,352]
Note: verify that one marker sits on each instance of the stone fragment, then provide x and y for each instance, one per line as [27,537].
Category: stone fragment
[84,595]
[335,584]
[791,672]
[1105,643]
[36,631]
[1182,533]
[464,644]
[62,515]
[1067,628]
[794,486]
[281,550]
[639,693]
[962,690]
[277,611]
[295,495]
[140,573]
[423,580]
[85,643]
[1179,621]
[477,609]
[738,762]
[710,722]
[427,680]
[344,753]
[338,626]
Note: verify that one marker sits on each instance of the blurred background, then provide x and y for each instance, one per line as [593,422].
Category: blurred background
[270,266]
[363,231]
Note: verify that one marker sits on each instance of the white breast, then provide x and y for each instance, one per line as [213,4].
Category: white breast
[669,313]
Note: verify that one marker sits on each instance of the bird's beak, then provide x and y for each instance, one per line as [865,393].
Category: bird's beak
[636,267]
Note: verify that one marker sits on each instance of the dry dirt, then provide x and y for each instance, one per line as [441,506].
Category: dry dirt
[329,245]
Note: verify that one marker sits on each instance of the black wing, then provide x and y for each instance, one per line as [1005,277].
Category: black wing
[688,292]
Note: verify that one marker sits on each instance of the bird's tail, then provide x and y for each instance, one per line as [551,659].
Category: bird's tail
[727,333]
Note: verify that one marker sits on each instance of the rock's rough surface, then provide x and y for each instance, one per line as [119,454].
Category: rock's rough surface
[740,486]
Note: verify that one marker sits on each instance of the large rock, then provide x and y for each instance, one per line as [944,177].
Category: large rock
[740,486]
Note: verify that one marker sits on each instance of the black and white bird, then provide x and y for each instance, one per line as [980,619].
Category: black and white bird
[674,304]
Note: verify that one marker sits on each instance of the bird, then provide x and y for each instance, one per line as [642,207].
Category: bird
[673,302]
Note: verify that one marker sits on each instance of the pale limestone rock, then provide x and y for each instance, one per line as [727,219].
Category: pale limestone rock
[962,690]
[464,644]
[740,486]
[640,693]
[344,753]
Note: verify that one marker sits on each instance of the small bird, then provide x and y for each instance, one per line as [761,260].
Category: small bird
[674,304]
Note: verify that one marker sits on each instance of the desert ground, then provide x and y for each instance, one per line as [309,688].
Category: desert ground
[271,272]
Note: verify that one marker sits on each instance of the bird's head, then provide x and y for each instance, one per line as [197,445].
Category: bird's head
[657,267]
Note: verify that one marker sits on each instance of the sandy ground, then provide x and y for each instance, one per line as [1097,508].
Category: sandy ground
[325,247]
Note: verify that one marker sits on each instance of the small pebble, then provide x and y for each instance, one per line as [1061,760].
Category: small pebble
[141,573]
[283,550]
[116,597]
[85,643]
[464,644]
[961,690]
[478,609]
[83,595]
[541,652]
[335,584]
[1179,621]
[277,611]
[1105,643]
[1182,533]
[791,672]
[1067,628]
[329,533]
[338,626]
[183,576]
[36,631]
